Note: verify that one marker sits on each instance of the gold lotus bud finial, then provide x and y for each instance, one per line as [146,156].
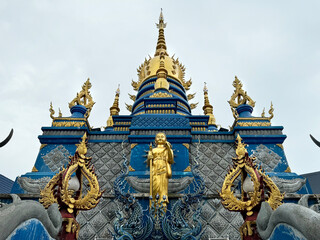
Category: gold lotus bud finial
[114,110]
[207,107]
[241,148]
[239,96]
[84,98]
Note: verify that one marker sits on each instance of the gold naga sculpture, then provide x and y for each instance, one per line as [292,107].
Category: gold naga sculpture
[256,187]
[65,188]
[159,160]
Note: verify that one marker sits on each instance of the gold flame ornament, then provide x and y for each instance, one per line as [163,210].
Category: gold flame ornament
[254,184]
[65,188]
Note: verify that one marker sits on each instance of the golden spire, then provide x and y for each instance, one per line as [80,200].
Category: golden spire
[207,107]
[161,44]
[114,110]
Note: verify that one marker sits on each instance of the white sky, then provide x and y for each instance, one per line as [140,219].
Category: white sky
[49,48]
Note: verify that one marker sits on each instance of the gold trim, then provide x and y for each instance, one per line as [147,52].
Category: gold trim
[69,124]
[161,95]
[253,124]
[280,145]
[188,169]
[133,145]
[131,169]
[34,169]
[288,170]
[42,146]
[186,145]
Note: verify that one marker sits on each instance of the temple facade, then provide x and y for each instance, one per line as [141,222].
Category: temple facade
[202,154]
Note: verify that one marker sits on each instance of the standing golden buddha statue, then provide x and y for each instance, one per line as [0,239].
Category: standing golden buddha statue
[159,160]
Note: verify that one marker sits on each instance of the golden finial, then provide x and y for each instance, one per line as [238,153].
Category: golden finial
[84,98]
[161,44]
[263,114]
[114,110]
[129,107]
[191,96]
[239,96]
[271,111]
[52,112]
[132,97]
[60,113]
[193,105]
[241,148]
[207,107]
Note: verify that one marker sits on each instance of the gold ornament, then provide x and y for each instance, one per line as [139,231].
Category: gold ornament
[239,96]
[84,98]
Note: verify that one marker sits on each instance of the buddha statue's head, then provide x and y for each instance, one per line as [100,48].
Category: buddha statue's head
[160,138]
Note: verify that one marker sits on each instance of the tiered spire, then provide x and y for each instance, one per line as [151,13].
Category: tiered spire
[114,110]
[207,108]
[161,44]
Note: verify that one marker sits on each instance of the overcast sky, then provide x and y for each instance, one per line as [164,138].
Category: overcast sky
[49,48]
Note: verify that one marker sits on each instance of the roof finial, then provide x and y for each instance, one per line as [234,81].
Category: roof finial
[207,107]
[161,44]
[114,110]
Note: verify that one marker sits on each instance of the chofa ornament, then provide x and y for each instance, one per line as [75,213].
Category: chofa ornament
[254,184]
[65,188]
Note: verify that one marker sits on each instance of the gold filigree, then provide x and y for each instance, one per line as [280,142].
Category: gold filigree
[244,165]
[275,197]
[79,163]
[84,98]
[188,169]
[161,95]
[253,124]
[47,195]
[239,96]
[68,124]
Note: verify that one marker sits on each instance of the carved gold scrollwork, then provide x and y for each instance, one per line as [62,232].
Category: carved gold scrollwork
[230,201]
[84,98]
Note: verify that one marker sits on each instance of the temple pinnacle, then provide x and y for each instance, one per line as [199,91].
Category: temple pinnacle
[207,107]
[161,44]
[114,110]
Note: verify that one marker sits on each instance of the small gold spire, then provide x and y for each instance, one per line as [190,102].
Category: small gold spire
[114,110]
[207,107]
[84,98]
[161,44]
